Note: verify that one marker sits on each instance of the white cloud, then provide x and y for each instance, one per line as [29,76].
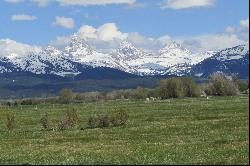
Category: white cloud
[42,3]
[245,23]
[211,42]
[14,1]
[108,37]
[11,48]
[109,32]
[164,39]
[182,4]
[136,5]
[106,32]
[65,22]
[103,38]
[61,41]
[95,2]
[231,29]
[23,17]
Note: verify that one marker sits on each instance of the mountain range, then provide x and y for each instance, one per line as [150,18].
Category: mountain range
[81,61]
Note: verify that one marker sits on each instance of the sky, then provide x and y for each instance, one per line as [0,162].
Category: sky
[199,25]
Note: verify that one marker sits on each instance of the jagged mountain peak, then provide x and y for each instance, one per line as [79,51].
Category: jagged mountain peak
[77,48]
[172,59]
[51,51]
[240,49]
[173,47]
[77,40]
[127,48]
[128,51]
[233,53]
[126,44]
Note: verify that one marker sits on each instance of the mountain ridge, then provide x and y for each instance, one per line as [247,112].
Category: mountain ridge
[78,57]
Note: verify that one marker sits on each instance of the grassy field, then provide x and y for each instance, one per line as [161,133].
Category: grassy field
[178,131]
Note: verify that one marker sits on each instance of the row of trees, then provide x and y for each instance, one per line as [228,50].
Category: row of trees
[219,85]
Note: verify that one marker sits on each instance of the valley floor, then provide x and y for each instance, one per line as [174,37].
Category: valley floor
[176,131]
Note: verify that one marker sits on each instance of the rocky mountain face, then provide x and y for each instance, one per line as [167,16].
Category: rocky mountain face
[229,61]
[78,57]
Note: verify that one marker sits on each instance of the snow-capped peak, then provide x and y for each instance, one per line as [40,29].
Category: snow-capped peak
[174,47]
[52,51]
[233,53]
[127,51]
[77,48]
[79,51]
[172,59]
[126,44]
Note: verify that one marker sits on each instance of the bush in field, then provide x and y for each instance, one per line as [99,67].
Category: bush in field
[221,85]
[121,118]
[92,122]
[69,121]
[141,93]
[26,102]
[243,86]
[103,121]
[72,117]
[189,87]
[169,88]
[177,87]
[45,122]
[66,96]
[10,121]
[15,103]
[8,103]
[113,95]
[63,125]
[30,102]
[90,96]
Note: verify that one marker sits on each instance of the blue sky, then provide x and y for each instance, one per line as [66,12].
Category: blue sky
[34,21]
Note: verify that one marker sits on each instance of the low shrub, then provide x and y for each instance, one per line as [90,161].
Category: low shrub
[221,85]
[45,122]
[92,122]
[189,87]
[66,96]
[243,86]
[69,121]
[63,125]
[121,118]
[140,93]
[10,121]
[103,121]
[72,117]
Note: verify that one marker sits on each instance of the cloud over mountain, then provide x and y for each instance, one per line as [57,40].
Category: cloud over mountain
[65,22]
[183,4]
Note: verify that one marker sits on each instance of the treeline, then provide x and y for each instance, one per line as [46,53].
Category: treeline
[219,85]
[178,87]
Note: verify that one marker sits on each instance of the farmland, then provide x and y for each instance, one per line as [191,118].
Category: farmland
[173,131]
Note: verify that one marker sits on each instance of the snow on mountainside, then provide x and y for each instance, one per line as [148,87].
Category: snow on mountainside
[11,49]
[130,58]
[6,66]
[172,59]
[233,53]
[48,61]
[78,57]
[233,60]
[82,53]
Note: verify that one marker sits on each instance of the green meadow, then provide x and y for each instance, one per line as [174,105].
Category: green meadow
[174,131]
